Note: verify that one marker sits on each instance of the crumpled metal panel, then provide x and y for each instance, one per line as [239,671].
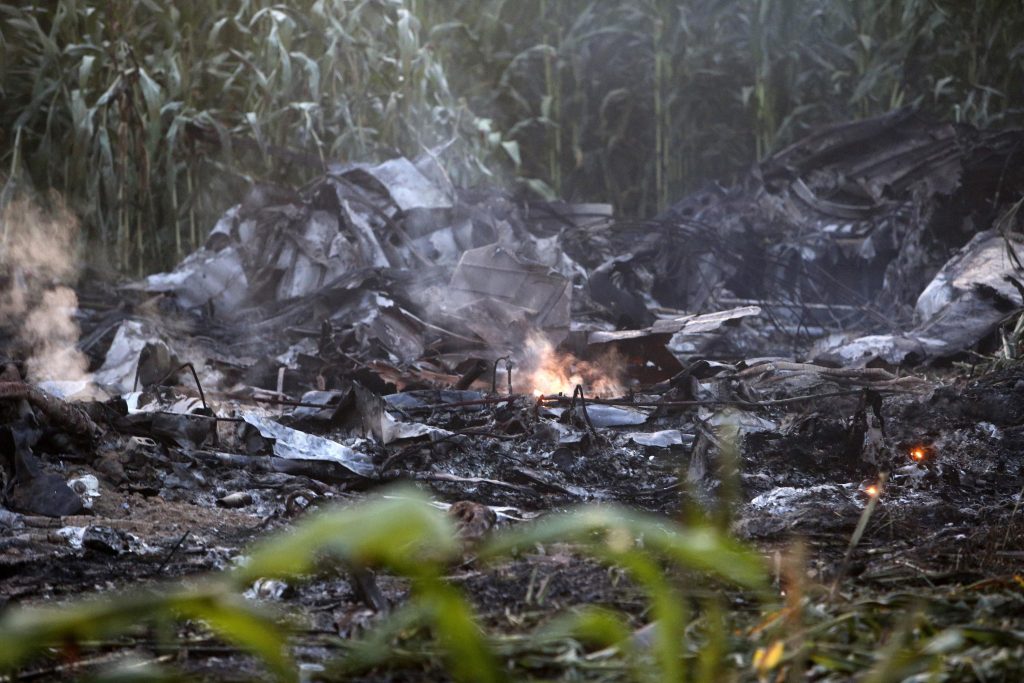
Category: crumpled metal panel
[295,445]
[408,187]
[493,274]
[206,276]
[966,301]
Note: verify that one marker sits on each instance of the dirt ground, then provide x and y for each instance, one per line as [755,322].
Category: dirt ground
[948,521]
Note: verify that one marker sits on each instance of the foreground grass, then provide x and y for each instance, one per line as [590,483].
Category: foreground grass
[712,612]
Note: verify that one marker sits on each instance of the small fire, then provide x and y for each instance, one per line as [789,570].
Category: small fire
[872,491]
[548,371]
[917,453]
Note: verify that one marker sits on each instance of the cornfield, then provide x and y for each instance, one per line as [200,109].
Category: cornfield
[149,116]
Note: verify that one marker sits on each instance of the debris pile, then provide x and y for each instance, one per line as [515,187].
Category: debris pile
[757,348]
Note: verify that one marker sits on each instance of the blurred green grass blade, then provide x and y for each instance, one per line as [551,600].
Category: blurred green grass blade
[26,632]
[669,612]
[702,548]
[468,654]
[593,625]
[376,648]
[401,531]
[241,623]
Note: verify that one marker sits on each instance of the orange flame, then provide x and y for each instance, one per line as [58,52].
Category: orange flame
[917,453]
[872,491]
[549,371]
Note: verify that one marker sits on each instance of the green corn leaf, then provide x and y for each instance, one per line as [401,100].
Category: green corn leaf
[151,94]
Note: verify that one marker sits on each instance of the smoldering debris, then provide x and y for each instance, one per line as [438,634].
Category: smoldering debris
[837,238]
[777,349]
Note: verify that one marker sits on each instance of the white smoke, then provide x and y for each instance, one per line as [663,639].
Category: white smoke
[38,264]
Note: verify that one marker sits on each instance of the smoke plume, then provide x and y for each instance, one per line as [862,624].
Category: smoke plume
[38,263]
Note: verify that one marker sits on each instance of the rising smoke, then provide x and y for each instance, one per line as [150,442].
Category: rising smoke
[38,265]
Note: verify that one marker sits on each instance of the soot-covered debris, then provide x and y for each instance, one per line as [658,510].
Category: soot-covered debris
[758,350]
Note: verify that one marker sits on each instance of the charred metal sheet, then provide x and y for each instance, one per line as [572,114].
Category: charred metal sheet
[528,291]
[976,291]
[296,445]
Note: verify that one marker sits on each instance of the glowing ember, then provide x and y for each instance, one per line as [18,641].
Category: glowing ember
[917,454]
[872,491]
[548,371]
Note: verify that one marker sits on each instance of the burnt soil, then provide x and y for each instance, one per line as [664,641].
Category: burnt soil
[947,522]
